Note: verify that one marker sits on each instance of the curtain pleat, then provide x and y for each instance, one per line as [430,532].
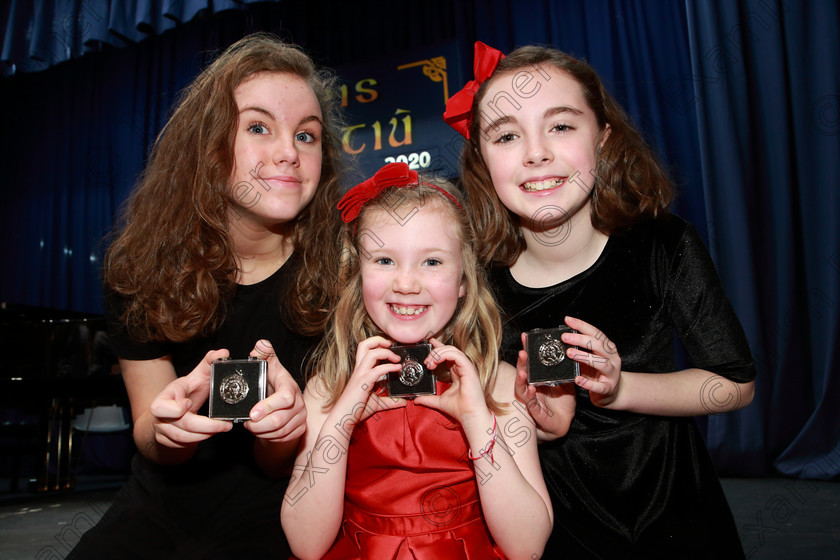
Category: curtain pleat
[38,34]
[767,80]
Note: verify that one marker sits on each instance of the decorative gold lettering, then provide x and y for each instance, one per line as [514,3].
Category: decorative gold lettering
[346,139]
[435,70]
[392,141]
[372,94]
[377,134]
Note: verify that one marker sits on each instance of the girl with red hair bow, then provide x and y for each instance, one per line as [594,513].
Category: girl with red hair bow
[453,474]
[573,210]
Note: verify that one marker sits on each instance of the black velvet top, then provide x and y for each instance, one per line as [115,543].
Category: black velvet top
[626,485]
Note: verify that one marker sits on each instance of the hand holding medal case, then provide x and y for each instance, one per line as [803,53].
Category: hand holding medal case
[547,360]
[235,387]
[414,378]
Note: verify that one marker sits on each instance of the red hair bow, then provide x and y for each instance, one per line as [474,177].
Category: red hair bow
[458,112]
[391,175]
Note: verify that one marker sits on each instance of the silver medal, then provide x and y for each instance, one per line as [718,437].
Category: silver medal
[411,373]
[233,388]
[551,352]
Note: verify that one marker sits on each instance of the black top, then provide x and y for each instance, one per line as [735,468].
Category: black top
[218,504]
[254,313]
[624,484]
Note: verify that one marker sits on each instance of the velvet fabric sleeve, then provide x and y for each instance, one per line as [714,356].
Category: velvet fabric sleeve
[704,317]
[624,484]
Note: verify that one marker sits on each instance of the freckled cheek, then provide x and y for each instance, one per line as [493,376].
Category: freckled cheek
[446,289]
[243,160]
[369,299]
[373,287]
[313,155]
[312,163]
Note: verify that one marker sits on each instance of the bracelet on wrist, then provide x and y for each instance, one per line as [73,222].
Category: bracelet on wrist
[488,449]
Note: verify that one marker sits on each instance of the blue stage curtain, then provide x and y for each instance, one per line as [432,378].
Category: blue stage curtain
[74,135]
[740,99]
[640,50]
[40,33]
[73,143]
[767,78]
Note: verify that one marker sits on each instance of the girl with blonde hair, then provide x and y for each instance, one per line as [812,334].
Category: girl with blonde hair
[452,474]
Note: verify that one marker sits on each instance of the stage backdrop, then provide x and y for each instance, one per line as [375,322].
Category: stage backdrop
[740,99]
[395,106]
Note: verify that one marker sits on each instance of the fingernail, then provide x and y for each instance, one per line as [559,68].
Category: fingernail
[256,414]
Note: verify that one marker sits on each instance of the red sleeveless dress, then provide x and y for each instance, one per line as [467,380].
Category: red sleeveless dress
[411,491]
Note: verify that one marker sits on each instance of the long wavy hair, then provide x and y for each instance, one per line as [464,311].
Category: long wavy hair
[630,183]
[172,259]
[475,328]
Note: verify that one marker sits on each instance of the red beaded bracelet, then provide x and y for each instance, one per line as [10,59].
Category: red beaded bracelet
[489,448]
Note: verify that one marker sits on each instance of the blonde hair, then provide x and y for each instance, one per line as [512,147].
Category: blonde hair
[475,328]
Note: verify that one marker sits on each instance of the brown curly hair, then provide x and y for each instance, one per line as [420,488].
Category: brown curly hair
[172,259]
[630,183]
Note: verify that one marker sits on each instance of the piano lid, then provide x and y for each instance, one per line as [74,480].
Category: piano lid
[39,342]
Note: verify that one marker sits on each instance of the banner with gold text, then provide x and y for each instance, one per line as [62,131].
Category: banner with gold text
[394,109]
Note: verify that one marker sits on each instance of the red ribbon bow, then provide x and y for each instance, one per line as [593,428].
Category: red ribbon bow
[391,175]
[458,112]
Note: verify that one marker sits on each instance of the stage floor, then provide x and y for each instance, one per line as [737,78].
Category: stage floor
[779,519]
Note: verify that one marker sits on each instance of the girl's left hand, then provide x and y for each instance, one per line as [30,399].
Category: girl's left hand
[465,396]
[281,416]
[600,366]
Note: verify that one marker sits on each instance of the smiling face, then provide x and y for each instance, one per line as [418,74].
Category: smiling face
[277,149]
[412,274]
[542,153]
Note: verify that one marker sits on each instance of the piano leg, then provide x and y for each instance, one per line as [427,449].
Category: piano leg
[56,471]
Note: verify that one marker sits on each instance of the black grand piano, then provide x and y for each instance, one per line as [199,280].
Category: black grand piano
[55,365]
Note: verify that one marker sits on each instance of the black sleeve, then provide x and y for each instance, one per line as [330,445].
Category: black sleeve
[123,345]
[704,317]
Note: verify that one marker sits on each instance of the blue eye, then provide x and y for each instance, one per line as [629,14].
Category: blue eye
[383,260]
[258,128]
[505,138]
[305,137]
[433,262]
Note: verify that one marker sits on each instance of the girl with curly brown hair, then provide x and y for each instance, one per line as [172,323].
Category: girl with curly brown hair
[226,250]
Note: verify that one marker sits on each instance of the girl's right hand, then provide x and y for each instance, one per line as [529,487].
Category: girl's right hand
[551,408]
[374,361]
[173,411]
